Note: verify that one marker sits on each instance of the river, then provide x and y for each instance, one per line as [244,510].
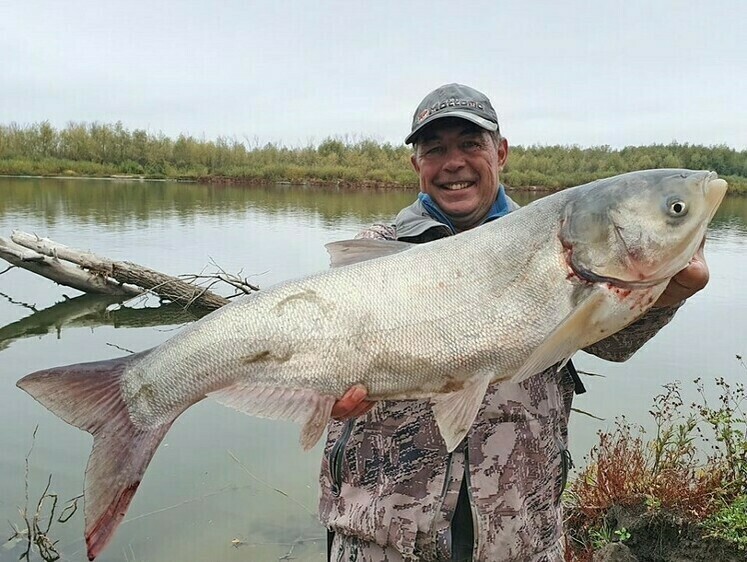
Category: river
[225,486]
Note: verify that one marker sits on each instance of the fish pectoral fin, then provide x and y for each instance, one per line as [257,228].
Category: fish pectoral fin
[565,340]
[347,252]
[301,405]
[456,411]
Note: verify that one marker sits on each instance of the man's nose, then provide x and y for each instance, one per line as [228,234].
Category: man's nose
[454,160]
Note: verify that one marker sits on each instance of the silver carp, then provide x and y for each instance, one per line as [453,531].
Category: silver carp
[438,321]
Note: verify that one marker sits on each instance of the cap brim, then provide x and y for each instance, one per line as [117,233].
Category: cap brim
[476,119]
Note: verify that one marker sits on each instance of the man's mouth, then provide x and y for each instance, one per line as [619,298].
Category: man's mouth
[456,185]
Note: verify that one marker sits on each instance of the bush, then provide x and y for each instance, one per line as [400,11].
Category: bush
[693,469]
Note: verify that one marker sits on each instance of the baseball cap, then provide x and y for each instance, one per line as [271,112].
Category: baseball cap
[454,100]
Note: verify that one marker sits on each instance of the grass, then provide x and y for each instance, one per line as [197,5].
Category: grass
[693,470]
[730,523]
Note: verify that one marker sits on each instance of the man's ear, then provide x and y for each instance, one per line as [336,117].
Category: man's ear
[502,152]
[415,165]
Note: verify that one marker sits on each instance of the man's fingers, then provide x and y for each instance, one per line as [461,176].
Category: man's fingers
[695,276]
[687,282]
[361,409]
[352,403]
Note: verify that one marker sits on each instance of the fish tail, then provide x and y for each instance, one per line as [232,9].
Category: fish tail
[89,396]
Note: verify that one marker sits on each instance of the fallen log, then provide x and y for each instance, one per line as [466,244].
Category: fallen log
[97,274]
[52,268]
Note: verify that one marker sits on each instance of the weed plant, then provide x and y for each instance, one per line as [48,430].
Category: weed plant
[693,468]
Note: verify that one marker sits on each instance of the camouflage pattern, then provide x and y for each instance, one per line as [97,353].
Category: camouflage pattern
[389,488]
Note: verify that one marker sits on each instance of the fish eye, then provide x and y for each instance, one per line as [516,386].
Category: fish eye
[676,207]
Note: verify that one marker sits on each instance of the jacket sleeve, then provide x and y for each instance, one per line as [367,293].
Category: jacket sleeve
[623,344]
[378,232]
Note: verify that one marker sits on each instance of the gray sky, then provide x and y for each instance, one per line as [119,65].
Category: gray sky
[587,73]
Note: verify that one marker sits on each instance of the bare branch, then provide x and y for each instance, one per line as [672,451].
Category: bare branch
[91,273]
[588,374]
[577,410]
[34,534]
[119,348]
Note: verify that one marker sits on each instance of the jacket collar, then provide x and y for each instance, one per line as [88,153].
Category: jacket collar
[414,221]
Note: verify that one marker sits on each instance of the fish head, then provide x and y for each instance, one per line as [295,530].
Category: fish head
[640,228]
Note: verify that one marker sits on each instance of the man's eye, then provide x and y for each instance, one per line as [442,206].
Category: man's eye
[433,150]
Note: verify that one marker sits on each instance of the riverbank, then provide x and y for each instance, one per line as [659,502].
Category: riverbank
[253,182]
[105,150]
[735,189]
[638,535]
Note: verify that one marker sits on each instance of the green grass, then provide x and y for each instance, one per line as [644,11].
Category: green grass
[730,523]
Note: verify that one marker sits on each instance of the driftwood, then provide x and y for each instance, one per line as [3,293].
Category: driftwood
[62,273]
[96,274]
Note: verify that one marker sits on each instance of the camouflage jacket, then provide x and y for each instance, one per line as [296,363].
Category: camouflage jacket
[386,477]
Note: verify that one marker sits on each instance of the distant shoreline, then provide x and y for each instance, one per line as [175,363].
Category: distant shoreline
[322,184]
[250,182]
[113,151]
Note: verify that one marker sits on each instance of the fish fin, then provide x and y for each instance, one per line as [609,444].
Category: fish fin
[89,396]
[456,411]
[305,406]
[347,252]
[560,345]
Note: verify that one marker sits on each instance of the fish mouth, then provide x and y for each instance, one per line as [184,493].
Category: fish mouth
[714,190]
[591,277]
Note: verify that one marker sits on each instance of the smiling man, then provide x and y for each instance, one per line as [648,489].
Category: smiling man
[390,490]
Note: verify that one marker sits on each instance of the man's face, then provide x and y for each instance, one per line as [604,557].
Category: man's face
[458,164]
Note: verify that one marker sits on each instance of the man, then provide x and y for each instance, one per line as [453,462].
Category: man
[390,490]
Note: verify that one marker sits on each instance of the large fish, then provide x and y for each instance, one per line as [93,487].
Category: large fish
[438,321]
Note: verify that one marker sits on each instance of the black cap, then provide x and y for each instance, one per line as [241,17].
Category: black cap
[454,100]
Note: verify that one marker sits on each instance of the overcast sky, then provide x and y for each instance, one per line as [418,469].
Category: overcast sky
[558,72]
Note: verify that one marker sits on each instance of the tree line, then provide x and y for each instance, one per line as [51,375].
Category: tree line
[95,149]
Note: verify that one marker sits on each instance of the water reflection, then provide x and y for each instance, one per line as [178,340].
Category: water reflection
[111,203]
[93,311]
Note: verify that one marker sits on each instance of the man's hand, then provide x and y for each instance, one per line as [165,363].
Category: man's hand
[352,404]
[687,282]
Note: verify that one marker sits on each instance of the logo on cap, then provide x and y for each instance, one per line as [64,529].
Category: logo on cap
[451,102]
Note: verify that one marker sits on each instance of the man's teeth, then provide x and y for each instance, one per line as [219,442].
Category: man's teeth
[457,185]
